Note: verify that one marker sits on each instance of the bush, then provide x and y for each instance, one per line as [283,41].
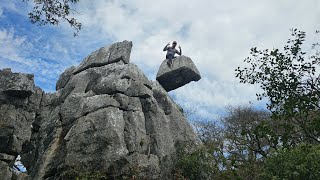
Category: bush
[80,173]
[302,162]
[195,165]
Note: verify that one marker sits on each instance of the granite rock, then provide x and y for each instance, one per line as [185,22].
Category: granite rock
[182,72]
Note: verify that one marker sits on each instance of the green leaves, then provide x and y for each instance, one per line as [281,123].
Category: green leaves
[289,82]
[196,165]
[302,162]
[52,12]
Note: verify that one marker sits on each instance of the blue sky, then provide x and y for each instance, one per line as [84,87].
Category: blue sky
[217,35]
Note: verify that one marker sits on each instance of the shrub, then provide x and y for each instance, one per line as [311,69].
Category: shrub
[195,165]
[301,162]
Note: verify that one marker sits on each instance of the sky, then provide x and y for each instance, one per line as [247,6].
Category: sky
[216,35]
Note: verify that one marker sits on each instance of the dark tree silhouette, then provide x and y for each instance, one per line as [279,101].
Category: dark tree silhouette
[53,12]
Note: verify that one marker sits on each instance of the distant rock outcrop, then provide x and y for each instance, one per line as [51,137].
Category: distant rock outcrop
[105,117]
[182,72]
[16,84]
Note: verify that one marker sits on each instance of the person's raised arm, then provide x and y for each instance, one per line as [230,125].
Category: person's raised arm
[180,52]
[166,47]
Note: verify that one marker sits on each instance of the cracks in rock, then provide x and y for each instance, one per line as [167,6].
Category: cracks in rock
[92,124]
[91,66]
[104,107]
[109,55]
[126,77]
[50,153]
[60,115]
[60,98]
[148,86]
[123,93]
[94,65]
[148,126]
[10,142]
[125,132]
[93,81]
[68,79]
[41,99]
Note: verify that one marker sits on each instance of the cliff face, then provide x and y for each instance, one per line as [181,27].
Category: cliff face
[105,117]
[19,106]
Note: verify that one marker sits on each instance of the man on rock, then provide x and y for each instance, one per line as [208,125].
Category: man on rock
[171,51]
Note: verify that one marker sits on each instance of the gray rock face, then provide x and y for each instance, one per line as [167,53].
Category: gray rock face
[104,117]
[5,172]
[6,158]
[182,72]
[19,105]
[65,77]
[106,55]
[16,84]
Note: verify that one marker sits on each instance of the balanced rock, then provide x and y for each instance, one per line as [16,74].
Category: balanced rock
[16,84]
[182,72]
[106,55]
[107,118]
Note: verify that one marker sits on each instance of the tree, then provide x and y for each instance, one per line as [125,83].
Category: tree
[302,162]
[244,128]
[238,145]
[245,141]
[291,84]
[53,12]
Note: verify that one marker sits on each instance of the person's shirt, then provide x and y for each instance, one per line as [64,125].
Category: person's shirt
[171,51]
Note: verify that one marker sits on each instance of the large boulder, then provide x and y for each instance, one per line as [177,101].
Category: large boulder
[182,72]
[16,84]
[108,119]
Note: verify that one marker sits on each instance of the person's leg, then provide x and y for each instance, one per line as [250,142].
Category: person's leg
[169,57]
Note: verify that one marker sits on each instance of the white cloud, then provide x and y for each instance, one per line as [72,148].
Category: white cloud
[16,7]
[18,53]
[1,12]
[218,38]
[13,47]
[217,35]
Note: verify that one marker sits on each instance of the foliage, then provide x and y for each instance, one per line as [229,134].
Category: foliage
[281,143]
[52,12]
[245,130]
[237,146]
[290,82]
[245,141]
[241,148]
[80,174]
[302,162]
[195,165]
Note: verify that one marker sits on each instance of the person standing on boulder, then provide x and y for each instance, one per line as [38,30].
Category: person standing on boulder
[171,51]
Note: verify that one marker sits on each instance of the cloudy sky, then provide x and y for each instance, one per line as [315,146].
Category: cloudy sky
[217,35]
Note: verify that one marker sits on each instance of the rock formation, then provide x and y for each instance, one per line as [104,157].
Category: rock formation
[19,105]
[105,117]
[182,72]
